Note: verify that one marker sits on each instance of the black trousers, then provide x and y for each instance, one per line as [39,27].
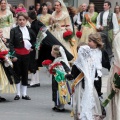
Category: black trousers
[98,86]
[21,68]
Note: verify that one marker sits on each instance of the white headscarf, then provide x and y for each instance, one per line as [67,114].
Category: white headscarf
[63,57]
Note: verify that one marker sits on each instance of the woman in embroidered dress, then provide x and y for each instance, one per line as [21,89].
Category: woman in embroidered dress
[113,108]
[6,72]
[44,17]
[89,23]
[60,23]
[117,11]
[6,18]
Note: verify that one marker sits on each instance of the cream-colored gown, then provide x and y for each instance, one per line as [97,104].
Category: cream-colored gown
[113,108]
[118,17]
[59,28]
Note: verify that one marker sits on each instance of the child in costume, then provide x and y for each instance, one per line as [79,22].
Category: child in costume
[60,87]
[95,43]
[22,39]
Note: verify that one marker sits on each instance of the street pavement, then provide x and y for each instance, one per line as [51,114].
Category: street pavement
[40,107]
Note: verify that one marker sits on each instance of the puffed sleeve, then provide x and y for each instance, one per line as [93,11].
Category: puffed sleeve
[10,19]
[115,24]
[98,22]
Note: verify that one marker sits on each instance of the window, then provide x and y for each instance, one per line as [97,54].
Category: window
[16,2]
[69,2]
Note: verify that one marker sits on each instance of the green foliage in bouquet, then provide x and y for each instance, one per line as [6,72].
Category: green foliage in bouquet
[116,87]
[60,75]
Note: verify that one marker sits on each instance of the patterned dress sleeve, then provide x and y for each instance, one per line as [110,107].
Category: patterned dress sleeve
[10,19]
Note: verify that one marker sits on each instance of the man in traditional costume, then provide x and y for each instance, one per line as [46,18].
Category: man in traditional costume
[107,23]
[81,15]
[45,45]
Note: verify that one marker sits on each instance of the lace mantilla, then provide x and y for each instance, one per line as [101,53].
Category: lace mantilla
[85,63]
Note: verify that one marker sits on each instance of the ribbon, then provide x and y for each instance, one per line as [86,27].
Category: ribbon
[10,54]
[60,76]
[89,21]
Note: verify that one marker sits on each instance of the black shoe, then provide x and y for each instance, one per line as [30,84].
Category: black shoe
[54,108]
[59,110]
[17,97]
[26,97]
[100,94]
[2,99]
[35,85]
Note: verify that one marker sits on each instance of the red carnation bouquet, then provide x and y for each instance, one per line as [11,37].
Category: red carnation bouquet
[68,36]
[3,54]
[79,34]
[53,67]
[46,63]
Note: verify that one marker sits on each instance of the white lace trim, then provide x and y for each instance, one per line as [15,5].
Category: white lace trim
[62,17]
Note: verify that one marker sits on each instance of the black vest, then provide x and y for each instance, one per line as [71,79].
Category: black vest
[109,20]
[81,16]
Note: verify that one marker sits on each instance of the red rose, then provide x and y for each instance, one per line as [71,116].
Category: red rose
[46,62]
[67,35]
[79,34]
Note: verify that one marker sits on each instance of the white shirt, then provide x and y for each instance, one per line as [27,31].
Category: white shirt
[26,37]
[79,21]
[75,18]
[105,16]
[97,56]
[25,33]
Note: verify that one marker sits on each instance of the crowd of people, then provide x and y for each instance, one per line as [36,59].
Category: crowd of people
[73,44]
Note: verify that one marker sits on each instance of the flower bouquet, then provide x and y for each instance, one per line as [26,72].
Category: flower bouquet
[78,34]
[41,35]
[68,37]
[46,63]
[53,68]
[59,75]
[4,54]
[115,89]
